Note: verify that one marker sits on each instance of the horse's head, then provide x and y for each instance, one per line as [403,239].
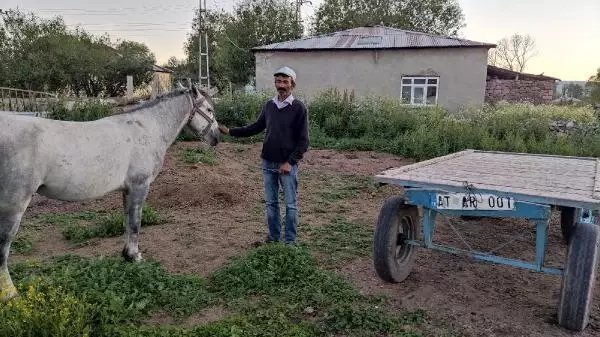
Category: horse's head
[202,120]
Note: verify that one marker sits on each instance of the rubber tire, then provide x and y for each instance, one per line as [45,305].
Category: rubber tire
[385,241]
[579,277]
[569,216]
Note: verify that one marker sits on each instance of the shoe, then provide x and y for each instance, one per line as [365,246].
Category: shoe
[264,242]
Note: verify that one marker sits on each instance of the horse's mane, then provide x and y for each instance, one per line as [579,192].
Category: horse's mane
[161,98]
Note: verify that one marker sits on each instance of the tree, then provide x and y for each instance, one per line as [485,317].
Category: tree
[181,69]
[573,90]
[42,54]
[255,23]
[593,86]
[26,49]
[213,25]
[513,53]
[440,17]
[232,36]
[133,59]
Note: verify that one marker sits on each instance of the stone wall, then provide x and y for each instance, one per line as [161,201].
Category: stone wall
[519,91]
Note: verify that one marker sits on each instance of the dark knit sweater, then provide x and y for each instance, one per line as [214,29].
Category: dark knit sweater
[286,138]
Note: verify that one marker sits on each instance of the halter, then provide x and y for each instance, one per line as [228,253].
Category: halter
[196,110]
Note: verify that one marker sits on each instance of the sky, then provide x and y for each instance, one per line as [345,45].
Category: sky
[567,33]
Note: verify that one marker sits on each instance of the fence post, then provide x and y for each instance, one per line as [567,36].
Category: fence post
[129,88]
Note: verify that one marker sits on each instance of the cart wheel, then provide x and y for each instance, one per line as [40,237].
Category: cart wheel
[569,216]
[579,276]
[393,257]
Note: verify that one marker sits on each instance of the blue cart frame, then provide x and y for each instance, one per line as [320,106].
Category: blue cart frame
[397,236]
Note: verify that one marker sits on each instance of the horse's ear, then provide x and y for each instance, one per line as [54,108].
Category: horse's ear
[196,91]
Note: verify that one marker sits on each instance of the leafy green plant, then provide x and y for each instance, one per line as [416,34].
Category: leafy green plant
[339,120]
[341,240]
[272,291]
[81,111]
[23,243]
[337,187]
[44,309]
[199,155]
[82,226]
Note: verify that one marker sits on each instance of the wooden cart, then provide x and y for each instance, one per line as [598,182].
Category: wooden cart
[497,184]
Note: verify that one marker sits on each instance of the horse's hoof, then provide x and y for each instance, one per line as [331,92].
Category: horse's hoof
[138,257]
[8,294]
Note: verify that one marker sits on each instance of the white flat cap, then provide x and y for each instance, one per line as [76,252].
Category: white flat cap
[287,71]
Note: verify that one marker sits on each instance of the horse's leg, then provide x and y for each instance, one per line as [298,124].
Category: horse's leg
[133,200]
[9,225]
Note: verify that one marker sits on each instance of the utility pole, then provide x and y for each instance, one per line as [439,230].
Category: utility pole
[203,72]
[299,4]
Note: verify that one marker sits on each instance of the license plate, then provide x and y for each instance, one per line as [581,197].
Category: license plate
[473,201]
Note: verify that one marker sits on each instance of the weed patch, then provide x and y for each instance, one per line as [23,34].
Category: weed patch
[337,187]
[44,309]
[81,111]
[275,290]
[79,227]
[198,155]
[341,240]
[23,243]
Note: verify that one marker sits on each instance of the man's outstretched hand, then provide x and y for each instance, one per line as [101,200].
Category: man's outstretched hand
[285,168]
[224,130]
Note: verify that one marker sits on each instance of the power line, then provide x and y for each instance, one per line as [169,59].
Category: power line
[136,30]
[187,23]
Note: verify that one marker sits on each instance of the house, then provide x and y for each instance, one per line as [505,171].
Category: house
[162,80]
[512,86]
[422,69]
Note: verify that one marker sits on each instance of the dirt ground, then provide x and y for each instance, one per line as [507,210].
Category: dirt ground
[215,212]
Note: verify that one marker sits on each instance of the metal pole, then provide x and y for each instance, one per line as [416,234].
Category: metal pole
[200,15]
[202,34]
[299,4]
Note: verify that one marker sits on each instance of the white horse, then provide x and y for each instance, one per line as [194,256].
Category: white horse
[76,161]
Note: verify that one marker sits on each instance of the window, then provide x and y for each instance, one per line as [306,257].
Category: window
[419,90]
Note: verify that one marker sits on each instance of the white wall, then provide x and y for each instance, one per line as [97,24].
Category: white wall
[462,71]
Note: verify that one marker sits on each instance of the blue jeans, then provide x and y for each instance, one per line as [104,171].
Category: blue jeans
[289,183]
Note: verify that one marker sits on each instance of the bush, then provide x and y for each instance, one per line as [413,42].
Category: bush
[81,111]
[338,120]
[240,109]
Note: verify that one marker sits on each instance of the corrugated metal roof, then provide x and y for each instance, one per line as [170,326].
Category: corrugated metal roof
[376,37]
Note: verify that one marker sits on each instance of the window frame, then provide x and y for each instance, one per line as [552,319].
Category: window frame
[424,86]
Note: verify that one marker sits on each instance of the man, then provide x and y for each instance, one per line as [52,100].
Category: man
[285,119]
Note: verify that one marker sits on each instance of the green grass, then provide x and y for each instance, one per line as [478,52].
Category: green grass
[199,155]
[23,243]
[272,291]
[80,227]
[336,187]
[341,240]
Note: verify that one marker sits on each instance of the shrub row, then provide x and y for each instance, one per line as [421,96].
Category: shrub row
[341,121]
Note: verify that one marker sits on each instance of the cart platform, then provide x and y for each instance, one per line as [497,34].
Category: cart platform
[547,179]
[497,184]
